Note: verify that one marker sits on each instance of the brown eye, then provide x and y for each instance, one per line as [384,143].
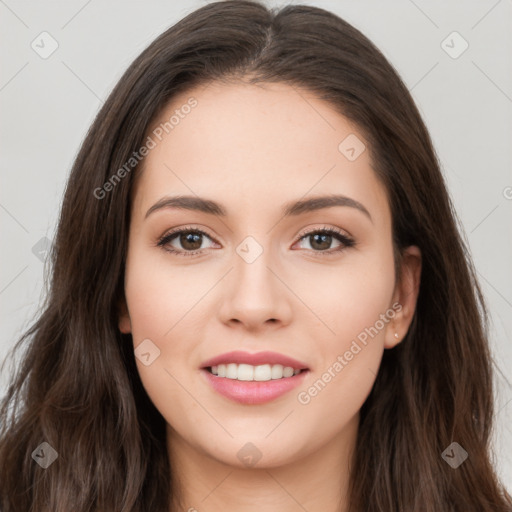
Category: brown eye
[184,242]
[321,240]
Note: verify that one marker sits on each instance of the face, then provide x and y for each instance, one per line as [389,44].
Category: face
[254,273]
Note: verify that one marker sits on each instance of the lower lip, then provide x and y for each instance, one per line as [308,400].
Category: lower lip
[253,392]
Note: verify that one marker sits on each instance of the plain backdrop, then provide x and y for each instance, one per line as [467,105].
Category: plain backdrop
[462,84]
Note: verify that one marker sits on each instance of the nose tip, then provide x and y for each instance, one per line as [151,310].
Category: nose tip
[254,296]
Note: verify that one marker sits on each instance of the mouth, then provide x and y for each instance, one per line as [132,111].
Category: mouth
[253,379]
[253,385]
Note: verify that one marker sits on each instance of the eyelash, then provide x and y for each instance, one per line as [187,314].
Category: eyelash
[346,241]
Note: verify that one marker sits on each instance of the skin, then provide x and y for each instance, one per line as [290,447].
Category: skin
[253,149]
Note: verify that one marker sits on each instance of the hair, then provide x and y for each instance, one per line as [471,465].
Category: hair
[77,386]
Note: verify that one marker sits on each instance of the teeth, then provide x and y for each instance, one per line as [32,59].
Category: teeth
[248,372]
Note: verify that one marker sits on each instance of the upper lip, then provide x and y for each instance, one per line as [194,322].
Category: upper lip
[258,358]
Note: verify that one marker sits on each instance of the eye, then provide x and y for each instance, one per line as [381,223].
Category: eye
[320,240]
[190,239]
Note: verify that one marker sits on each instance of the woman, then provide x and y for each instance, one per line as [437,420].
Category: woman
[327,347]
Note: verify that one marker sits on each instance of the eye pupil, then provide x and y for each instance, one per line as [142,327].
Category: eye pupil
[191,241]
[319,239]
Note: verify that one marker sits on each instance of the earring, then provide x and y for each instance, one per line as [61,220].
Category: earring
[396,335]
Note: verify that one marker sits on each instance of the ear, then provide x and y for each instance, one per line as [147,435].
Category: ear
[405,296]
[125,325]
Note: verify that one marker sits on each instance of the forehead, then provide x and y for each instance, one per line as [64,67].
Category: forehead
[261,144]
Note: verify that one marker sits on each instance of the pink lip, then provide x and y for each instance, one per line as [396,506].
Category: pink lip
[256,359]
[252,392]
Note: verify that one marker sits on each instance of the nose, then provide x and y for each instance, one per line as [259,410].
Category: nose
[255,297]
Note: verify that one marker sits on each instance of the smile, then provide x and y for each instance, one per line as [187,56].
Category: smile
[253,392]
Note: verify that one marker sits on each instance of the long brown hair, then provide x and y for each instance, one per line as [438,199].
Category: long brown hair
[77,387]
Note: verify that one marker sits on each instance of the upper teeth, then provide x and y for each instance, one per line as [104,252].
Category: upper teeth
[249,372]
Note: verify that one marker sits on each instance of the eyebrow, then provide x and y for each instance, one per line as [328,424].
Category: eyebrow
[293,208]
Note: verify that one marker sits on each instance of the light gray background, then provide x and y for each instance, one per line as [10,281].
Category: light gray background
[48,104]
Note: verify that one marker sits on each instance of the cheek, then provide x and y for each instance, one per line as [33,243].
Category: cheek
[158,295]
[360,302]
[349,297]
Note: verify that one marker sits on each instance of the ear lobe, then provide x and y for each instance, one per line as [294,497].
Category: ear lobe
[125,325]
